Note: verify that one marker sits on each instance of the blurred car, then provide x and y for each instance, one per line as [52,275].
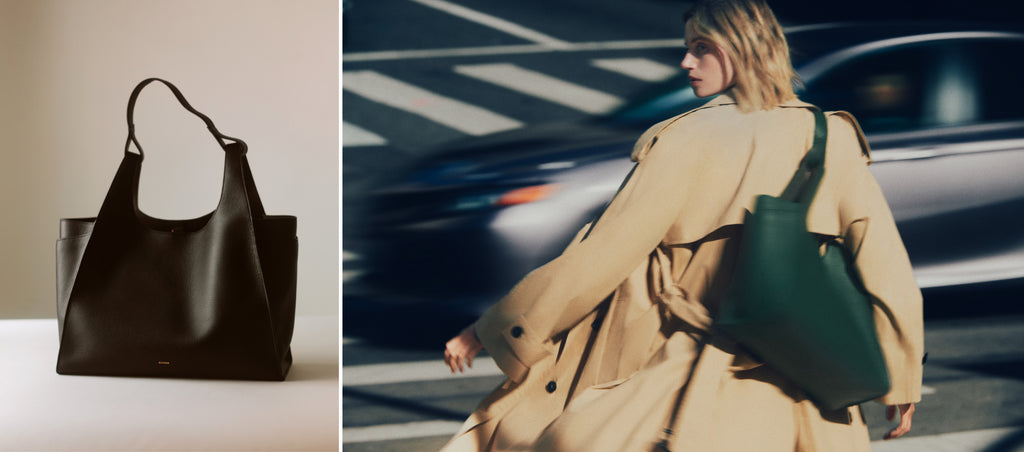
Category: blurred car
[941,106]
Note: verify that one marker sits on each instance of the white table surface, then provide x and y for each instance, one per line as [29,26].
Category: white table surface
[43,411]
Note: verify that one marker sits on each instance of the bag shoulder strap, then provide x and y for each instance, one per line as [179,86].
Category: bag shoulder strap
[804,184]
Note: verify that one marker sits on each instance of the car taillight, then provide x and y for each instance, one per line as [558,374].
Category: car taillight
[526,194]
[521,195]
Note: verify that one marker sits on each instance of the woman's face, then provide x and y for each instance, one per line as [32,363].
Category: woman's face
[711,72]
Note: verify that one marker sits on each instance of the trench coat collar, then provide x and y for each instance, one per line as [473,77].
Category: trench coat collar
[728,98]
[724,98]
[646,141]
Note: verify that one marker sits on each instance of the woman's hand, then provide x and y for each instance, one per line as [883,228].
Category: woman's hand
[461,349]
[906,416]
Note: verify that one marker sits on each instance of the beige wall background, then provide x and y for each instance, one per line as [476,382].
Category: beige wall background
[265,71]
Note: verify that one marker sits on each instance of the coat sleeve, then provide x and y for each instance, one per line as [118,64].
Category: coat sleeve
[518,330]
[882,262]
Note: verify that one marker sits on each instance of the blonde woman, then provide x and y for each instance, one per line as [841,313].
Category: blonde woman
[597,343]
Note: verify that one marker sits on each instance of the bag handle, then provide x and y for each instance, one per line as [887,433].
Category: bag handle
[184,103]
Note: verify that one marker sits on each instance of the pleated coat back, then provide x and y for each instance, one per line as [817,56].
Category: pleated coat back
[601,344]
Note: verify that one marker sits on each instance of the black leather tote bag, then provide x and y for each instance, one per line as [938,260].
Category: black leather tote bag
[209,297]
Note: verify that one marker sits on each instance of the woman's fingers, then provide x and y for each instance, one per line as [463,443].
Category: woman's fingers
[460,350]
[448,360]
[897,432]
[454,361]
[906,419]
[454,354]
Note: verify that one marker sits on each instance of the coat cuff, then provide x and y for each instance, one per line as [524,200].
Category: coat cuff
[514,346]
[906,385]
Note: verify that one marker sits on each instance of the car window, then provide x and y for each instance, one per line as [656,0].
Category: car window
[1000,89]
[885,90]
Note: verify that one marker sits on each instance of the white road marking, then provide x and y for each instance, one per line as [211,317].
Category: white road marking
[495,23]
[543,86]
[969,441]
[450,112]
[398,431]
[350,275]
[375,374]
[510,49]
[638,68]
[353,135]
[513,49]
[412,371]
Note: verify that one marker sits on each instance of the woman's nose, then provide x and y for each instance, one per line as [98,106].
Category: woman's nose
[688,62]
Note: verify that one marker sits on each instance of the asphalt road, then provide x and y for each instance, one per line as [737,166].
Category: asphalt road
[401,398]
[511,68]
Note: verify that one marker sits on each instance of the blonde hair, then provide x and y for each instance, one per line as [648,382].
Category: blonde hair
[753,41]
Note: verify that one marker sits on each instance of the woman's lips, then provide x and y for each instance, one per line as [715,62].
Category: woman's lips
[694,80]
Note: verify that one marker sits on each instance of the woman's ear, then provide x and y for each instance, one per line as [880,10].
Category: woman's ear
[728,67]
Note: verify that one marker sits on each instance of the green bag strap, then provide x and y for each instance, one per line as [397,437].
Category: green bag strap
[804,184]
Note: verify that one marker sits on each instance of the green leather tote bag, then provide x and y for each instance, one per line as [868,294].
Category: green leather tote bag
[805,314]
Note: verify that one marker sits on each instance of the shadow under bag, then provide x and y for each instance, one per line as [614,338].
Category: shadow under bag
[209,297]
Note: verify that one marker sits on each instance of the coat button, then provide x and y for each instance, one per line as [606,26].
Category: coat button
[551,387]
[517,331]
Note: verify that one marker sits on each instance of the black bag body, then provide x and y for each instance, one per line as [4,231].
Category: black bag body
[209,297]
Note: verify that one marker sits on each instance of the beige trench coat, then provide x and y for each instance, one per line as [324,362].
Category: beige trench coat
[589,371]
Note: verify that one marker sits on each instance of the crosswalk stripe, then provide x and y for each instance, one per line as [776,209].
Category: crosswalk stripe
[412,371]
[543,86]
[638,68]
[375,374]
[969,441]
[350,275]
[390,55]
[458,115]
[398,431]
[353,135]
[495,23]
